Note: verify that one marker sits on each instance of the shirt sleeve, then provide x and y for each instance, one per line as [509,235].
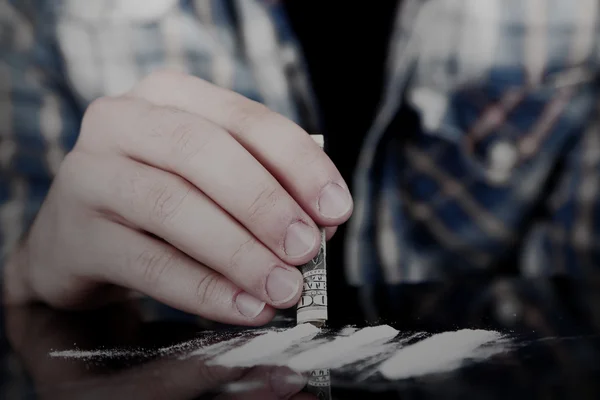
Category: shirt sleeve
[39,119]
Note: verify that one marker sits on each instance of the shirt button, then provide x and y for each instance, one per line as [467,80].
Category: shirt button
[432,106]
[503,158]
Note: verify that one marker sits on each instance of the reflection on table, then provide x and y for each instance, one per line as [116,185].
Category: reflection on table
[555,325]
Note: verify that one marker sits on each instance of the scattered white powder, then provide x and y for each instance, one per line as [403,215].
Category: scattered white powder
[226,345]
[96,354]
[192,347]
[103,354]
[282,357]
[263,346]
[322,356]
[438,353]
[215,349]
[360,352]
[185,346]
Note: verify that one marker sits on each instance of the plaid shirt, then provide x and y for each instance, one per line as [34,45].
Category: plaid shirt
[505,149]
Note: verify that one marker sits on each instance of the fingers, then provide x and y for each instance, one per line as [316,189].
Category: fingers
[281,146]
[330,231]
[164,379]
[150,266]
[213,161]
[233,189]
[266,383]
[171,208]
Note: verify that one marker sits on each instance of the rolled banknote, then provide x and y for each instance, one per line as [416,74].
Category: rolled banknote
[312,307]
[319,384]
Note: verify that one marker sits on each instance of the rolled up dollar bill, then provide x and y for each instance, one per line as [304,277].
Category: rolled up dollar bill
[319,384]
[312,307]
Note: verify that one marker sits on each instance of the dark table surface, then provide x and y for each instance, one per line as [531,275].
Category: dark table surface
[554,326]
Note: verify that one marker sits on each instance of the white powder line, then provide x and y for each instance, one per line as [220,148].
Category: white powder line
[320,356]
[364,355]
[438,353]
[214,349]
[417,335]
[226,345]
[364,362]
[372,353]
[263,346]
[365,351]
[282,358]
[347,331]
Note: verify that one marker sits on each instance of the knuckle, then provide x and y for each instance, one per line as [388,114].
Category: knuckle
[70,179]
[264,202]
[98,122]
[99,106]
[186,141]
[181,131]
[246,116]
[239,256]
[208,290]
[166,201]
[99,110]
[71,163]
[154,264]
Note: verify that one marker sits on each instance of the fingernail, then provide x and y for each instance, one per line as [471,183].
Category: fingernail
[282,285]
[249,306]
[286,382]
[299,240]
[335,201]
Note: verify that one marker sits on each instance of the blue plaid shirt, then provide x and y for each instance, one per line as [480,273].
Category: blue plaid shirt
[504,153]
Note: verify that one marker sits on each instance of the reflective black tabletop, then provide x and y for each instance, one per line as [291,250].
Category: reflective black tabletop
[554,351]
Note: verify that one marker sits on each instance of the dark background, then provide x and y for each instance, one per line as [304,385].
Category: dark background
[345,48]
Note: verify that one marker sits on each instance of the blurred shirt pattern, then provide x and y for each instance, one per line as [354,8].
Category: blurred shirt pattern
[505,153]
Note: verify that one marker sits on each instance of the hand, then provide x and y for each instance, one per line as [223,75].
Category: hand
[33,332]
[188,193]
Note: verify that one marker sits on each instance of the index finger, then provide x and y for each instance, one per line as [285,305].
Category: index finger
[280,145]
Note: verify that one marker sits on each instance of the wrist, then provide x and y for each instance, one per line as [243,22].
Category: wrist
[16,289]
